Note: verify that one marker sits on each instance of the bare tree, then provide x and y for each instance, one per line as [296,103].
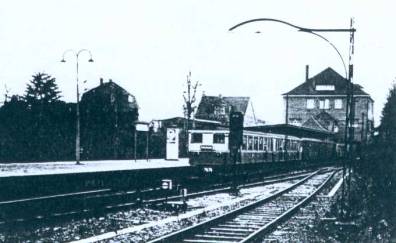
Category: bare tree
[190,97]
[189,106]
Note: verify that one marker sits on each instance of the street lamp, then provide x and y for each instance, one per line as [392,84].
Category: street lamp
[77,54]
[349,116]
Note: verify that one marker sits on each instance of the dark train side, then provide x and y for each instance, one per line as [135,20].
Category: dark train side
[262,144]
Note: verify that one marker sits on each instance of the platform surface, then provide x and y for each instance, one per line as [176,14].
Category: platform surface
[69,167]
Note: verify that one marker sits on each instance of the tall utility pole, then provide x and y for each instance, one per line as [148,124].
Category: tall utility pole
[349,116]
[189,97]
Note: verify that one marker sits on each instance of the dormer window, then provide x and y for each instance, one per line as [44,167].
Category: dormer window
[324,88]
[220,110]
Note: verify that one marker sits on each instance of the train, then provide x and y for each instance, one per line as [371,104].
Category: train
[209,148]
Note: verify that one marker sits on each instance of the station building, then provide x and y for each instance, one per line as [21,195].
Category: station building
[320,103]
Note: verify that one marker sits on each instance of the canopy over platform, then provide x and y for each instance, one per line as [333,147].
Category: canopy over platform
[292,130]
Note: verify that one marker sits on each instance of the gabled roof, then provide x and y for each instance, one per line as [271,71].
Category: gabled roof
[326,77]
[321,121]
[107,88]
[312,123]
[209,103]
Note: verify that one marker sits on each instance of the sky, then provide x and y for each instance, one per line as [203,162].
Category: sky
[149,47]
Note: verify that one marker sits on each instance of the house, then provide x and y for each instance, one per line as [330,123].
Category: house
[320,103]
[108,116]
[218,108]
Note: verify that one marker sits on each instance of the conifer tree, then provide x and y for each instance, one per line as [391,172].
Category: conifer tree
[42,89]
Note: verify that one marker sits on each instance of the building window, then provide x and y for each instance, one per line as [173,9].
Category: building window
[295,121]
[219,138]
[196,138]
[324,104]
[325,87]
[131,99]
[220,110]
[327,104]
[310,103]
[338,104]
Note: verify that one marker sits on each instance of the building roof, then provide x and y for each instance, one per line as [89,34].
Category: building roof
[292,130]
[313,123]
[218,107]
[209,103]
[108,88]
[326,77]
[321,121]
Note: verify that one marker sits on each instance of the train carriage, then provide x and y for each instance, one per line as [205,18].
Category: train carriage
[209,148]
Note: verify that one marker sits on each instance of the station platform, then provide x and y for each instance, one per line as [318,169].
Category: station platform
[70,167]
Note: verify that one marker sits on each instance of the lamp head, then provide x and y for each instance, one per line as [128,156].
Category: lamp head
[90,60]
[63,60]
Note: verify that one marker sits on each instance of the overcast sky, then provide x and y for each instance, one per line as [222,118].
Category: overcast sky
[148,48]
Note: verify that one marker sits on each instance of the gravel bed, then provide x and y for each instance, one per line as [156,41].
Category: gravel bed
[151,222]
[302,226]
[210,206]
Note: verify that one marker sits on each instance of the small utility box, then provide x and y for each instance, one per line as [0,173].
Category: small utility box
[172,144]
[166,184]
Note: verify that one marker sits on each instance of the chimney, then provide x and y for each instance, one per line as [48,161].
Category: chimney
[110,80]
[101,81]
[306,73]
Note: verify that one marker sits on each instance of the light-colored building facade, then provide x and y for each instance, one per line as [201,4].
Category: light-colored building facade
[320,102]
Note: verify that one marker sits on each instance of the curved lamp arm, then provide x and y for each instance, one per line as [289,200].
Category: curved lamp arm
[306,30]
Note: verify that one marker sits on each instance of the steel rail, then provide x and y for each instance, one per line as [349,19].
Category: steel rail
[257,236]
[180,235]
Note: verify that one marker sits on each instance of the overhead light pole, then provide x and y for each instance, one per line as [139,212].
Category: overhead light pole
[349,115]
[77,55]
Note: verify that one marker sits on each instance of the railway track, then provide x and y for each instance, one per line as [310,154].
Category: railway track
[253,221]
[27,210]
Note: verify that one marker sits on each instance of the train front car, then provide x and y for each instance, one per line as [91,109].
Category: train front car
[208,148]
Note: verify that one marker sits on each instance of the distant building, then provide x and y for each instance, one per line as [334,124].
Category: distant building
[218,108]
[320,103]
[108,116]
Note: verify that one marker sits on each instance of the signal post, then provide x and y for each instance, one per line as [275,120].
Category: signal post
[235,143]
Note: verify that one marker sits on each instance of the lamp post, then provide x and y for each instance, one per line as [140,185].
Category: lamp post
[349,115]
[77,54]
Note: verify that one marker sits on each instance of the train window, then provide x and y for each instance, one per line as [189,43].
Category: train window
[244,144]
[219,138]
[261,143]
[255,143]
[196,138]
[250,143]
[267,143]
[278,144]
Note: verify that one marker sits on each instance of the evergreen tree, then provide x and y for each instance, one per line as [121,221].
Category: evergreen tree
[42,89]
[378,170]
[387,130]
